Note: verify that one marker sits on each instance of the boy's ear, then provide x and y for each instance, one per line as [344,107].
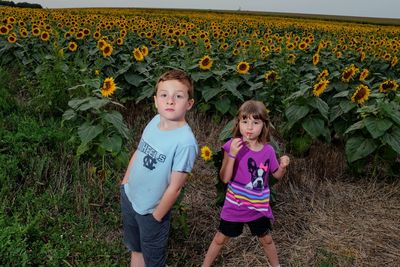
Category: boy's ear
[155,100]
[190,104]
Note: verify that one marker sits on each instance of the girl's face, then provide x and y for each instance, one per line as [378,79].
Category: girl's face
[250,128]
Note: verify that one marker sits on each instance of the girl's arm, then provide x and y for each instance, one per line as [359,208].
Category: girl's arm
[283,163]
[128,171]
[228,162]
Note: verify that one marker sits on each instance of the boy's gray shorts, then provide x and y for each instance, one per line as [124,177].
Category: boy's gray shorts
[143,233]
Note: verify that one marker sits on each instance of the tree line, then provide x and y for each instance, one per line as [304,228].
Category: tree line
[22,4]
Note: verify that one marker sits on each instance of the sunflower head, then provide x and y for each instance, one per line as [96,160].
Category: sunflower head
[320,87]
[323,74]
[361,94]
[206,153]
[389,85]
[72,46]
[205,63]
[363,75]
[108,87]
[243,67]
[315,59]
[138,55]
[271,76]
[349,72]
[107,50]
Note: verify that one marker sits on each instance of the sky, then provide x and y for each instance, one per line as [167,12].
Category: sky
[361,8]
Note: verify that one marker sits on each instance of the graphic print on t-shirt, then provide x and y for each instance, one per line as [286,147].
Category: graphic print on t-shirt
[257,174]
[152,155]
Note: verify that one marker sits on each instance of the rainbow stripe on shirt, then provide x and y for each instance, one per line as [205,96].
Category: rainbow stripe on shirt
[255,200]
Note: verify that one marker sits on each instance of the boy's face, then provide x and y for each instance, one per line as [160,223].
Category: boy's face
[172,100]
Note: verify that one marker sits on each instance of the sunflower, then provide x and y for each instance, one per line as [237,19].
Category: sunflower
[11,39]
[107,51]
[389,85]
[35,31]
[363,75]
[23,33]
[96,35]
[4,30]
[339,54]
[394,62]
[315,59]
[323,74]
[243,67]
[205,63]
[320,87]
[109,87]
[72,46]
[45,36]
[362,56]
[361,94]
[303,46]
[101,44]
[144,50]
[138,54]
[271,76]
[291,58]
[67,35]
[181,43]
[349,73]
[235,52]
[206,153]
[120,41]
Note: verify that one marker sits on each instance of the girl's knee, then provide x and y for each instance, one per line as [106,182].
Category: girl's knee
[220,239]
[266,240]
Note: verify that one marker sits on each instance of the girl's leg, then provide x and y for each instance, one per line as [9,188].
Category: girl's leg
[215,247]
[270,249]
[137,259]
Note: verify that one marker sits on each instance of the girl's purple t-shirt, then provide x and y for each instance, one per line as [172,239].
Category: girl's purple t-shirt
[248,193]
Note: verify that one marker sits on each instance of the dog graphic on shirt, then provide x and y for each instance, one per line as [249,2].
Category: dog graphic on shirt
[257,173]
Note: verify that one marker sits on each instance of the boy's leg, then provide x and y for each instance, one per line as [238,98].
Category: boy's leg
[137,259]
[270,249]
[215,247]
[131,230]
[154,239]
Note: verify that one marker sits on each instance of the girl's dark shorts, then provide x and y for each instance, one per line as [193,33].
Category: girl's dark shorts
[259,227]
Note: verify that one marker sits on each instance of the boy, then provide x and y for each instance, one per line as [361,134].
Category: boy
[158,170]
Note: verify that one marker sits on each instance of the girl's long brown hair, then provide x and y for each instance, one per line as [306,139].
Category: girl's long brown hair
[256,110]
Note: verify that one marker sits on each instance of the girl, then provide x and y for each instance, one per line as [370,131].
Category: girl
[248,161]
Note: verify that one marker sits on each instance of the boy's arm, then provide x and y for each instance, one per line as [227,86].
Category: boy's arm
[128,171]
[178,179]
[283,163]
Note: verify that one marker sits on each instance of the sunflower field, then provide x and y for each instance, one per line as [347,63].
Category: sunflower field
[334,82]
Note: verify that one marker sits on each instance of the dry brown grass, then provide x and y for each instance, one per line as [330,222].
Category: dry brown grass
[323,218]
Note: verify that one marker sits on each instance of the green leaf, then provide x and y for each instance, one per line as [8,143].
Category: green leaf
[313,126]
[231,86]
[391,112]
[94,83]
[295,112]
[336,112]
[321,105]
[226,131]
[356,126]
[359,147]
[197,76]
[209,92]
[111,143]
[133,79]
[69,114]
[256,86]
[393,139]
[223,105]
[75,103]
[377,127]
[115,118]
[88,132]
[95,103]
[346,105]
[82,148]
[147,92]
[342,94]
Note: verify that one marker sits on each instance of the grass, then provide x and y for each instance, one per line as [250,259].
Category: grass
[57,210]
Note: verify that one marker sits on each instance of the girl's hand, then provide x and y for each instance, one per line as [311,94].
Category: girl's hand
[284,161]
[236,145]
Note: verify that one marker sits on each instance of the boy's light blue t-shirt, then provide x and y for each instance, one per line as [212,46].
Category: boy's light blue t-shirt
[158,154]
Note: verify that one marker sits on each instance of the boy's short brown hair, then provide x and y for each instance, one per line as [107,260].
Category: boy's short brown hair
[180,75]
